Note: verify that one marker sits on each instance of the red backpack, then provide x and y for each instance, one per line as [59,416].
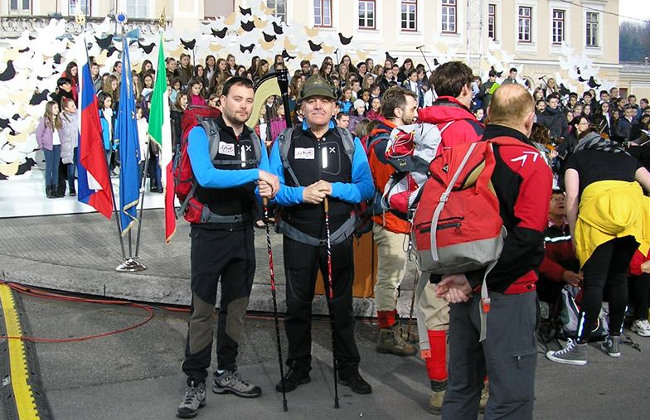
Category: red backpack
[184,182]
[457,226]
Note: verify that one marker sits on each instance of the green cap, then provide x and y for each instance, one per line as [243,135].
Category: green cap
[316,85]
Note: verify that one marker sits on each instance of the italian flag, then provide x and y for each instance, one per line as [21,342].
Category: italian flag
[160,132]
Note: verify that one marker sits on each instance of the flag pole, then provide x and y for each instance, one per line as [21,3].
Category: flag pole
[142,190]
[129,264]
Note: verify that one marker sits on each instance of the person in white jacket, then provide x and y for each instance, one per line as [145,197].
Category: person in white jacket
[69,134]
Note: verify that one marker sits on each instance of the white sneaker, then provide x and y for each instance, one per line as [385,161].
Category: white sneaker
[641,327]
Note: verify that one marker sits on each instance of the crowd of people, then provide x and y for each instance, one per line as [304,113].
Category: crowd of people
[593,153]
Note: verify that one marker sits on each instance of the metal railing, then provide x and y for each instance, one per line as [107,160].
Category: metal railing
[12,26]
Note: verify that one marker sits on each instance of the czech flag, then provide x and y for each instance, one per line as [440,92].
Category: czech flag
[95,188]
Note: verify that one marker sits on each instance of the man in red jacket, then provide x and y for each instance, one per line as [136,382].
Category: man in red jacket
[522,181]
[450,112]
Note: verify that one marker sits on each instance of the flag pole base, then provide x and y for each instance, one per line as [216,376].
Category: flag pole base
[131,265]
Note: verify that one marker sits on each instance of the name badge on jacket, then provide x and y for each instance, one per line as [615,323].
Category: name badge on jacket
[304,153]
[226,149]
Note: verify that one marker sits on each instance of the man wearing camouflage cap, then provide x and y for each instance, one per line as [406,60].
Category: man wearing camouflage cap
[318,162]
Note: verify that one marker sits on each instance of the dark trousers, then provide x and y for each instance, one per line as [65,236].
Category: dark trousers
[605,272]
[229,257]
[640,295]
[52,161]
[71,170]
[301,265]
[508,356]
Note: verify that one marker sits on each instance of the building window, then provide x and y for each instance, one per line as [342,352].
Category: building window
[19,6]
[79,6]
[492,21]
[137,9]
[409,15]
[367,14]
[592,29]
[525,23]
[449,16]
[279,8]
[558,26]
[323,13]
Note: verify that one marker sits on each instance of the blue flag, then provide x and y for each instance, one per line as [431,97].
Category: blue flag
[126,131]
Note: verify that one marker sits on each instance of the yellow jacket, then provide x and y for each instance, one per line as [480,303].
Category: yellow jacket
[608,210]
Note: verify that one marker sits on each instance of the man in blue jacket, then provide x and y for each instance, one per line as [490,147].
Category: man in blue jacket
[222,249]
[316,162]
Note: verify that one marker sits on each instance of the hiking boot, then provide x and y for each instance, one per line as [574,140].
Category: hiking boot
[356,383]
[392,341]
[230,382]
[485,395]
[610,346]
[193,400]
[297,375]
[435,402]
[641,327]
[572,354]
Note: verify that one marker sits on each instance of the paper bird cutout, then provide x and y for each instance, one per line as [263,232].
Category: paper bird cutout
[221,33]
[269,38]
[188,45]
[105,43]
[277,28]
[563,90]
[37,98]
[389,57]
[592,83]
[244,11]
[315,47]
[146,48]
[9,73]
[344,40]
[245,49]
[498,73]
[248,26]
[286,55]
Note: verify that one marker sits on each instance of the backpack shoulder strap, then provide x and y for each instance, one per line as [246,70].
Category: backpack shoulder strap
[257,145]
[284,144]
[212,131]
[371,141]
[348,142]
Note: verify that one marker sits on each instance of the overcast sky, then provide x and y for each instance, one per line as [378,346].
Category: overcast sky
[635,8]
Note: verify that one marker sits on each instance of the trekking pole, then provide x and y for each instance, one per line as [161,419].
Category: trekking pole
[410,322]
[265,202]
[330,297]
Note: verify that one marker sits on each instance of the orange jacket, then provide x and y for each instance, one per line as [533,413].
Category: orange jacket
[381,171]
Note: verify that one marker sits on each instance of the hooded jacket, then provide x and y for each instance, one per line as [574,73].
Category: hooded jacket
[464,127]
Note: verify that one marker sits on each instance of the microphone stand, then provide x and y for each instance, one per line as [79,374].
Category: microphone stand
[425,58]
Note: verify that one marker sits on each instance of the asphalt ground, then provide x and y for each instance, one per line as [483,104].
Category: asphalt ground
[136,374]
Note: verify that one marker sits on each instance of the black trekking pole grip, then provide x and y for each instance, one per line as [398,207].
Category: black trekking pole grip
[265,203]
[330,298]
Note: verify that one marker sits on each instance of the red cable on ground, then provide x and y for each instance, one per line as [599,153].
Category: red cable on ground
[42,294]
[53,296]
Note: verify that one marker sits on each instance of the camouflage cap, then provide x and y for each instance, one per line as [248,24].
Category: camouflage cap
[316,85]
